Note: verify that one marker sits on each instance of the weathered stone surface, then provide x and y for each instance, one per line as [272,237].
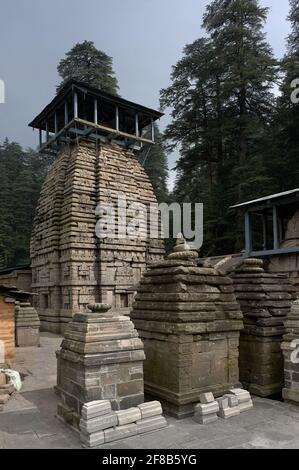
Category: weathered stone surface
[190,329]
[95,408]
[131,415]
[206,398]
[243,396]
[290,349]
[70,266]
[151,424]
[227,413]
[246,406]
[265,300]
[92,440]
[150,409]
[205,419]
[207,409]
[99,423]
[27,325]
[101,358]
[233,400]
[120,432]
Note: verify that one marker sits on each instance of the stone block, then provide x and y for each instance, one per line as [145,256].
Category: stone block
[245,406]
[151,424]
[120,432]
[242,395]
[204,410]
[98,424]
[229,412]
[206,398]
[128,416]
[208,419]
[232,400]
[4,399]
[92,440]
[223,403]
[149,409]
[95,408]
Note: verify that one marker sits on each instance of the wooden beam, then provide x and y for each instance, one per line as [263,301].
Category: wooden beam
[47,131]
[152,130]
[40,138]
[55,123]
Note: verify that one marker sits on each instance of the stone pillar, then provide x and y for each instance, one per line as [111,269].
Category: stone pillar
[265,301]
[27,325]
[101,358]
[189,321]
[290,348]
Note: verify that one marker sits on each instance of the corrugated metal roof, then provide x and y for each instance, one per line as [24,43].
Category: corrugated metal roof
[268,198]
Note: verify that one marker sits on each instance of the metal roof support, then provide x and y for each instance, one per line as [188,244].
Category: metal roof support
[265,231]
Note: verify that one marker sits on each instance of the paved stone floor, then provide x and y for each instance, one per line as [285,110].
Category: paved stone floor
[28,419]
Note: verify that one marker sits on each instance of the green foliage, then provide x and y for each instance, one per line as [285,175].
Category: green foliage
[85,63]
[222,106]
[21,175]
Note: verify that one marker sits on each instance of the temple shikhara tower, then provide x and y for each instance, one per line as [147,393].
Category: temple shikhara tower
[94,136]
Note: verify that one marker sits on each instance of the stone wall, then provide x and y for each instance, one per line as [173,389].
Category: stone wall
[20,278]
[7,327]
[265,300]
[290,348]
[70,266]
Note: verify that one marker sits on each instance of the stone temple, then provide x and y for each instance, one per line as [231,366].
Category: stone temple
[94,136]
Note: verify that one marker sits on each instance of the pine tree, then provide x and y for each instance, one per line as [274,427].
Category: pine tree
[85,63]
[282,158]
[222,103]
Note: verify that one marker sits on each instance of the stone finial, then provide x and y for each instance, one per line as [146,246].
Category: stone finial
[99,308]
[182,250]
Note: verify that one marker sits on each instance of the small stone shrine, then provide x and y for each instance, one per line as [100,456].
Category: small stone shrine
[290,347]
[101,358]
[190,322]
[27,325]
[265,301]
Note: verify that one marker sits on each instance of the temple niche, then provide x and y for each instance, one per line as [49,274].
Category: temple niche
[94,137]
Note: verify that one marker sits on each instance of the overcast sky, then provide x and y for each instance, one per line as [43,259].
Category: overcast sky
[144,37]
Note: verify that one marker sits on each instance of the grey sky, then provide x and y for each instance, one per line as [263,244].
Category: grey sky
[144,37]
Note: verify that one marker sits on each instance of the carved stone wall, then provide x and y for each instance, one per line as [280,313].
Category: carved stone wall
[290,348]
[70,266]
[265,301]
[190,322]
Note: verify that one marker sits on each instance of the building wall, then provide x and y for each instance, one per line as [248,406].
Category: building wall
[20,278]
[70,266]
[7,327]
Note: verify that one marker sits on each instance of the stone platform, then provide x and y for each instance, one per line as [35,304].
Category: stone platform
[28,420]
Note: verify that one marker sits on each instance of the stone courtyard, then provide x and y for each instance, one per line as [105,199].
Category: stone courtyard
[28,419]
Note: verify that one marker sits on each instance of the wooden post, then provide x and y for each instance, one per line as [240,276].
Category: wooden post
[66,114]
[136,125]
[47,131]
[153,130]
[265,231]
[40,138]
[248,234]
[117,118]
[75,105]
[55,123]
[275,229]
[96,111]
